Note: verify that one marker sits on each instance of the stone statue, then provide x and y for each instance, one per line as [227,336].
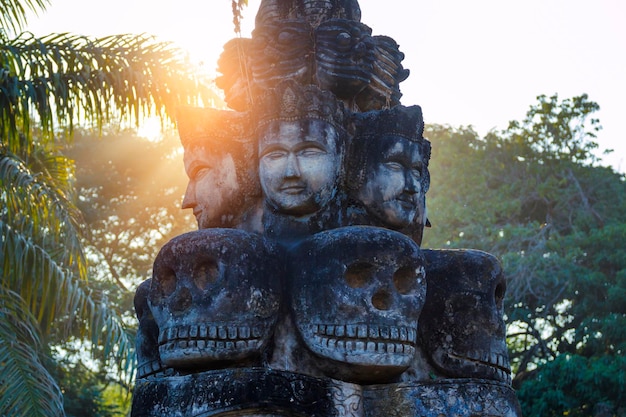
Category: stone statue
[389,174]
[305,291]
[301,140]
[219,158]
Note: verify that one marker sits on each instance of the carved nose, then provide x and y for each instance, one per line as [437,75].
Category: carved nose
[189,200]
[292,169]
[411,184]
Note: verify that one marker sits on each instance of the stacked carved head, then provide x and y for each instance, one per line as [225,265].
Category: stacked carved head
[220,155]
[215,296]
[301,146]
[356,295]
[388,168]
[462,327]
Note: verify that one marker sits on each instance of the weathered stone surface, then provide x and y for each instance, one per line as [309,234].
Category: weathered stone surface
[305,291]
[462,327]
[246,392]
[445,398]
[356,295]
[215,296]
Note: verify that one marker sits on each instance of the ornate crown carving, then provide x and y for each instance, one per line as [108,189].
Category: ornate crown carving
[290,101]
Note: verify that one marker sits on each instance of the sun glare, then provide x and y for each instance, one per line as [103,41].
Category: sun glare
[151,129]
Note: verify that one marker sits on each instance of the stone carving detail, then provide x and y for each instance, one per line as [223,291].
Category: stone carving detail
[462,327]
[215,296]
[356,295]
[305,291]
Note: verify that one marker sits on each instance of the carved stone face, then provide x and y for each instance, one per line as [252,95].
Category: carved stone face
[392,191]
[213,192]
[299,165]
[462,327]
[215,296]
[357,293]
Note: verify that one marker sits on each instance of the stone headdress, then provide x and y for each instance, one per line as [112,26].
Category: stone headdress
[223,132]
[290,101]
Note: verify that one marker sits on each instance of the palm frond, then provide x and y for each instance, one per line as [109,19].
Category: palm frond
[26,387]
[13,12]
[65,78]
[51,293]
[35,202]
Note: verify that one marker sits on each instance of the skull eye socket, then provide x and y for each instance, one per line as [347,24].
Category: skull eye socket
[167,282]
[205,273]
[404,279]
[499,293]
[359,274]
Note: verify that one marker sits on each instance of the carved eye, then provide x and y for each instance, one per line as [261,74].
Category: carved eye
[499,293]
[344,38]
[274,155]
[359,274]
[167,283]
[311,152]
[404,279]
[205,273]
[394,166]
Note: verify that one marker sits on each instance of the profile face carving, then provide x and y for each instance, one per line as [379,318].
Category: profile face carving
[462,326]
[219,161]
[356,296]
[213,191]
[392,191]
[299,165]
[215,296]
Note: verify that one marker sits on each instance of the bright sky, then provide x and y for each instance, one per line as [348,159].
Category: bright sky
[479,63]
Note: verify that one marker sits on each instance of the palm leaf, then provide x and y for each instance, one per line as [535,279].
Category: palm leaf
[65,78]
[26,387]
[35,202]
[29,270]
[13,12]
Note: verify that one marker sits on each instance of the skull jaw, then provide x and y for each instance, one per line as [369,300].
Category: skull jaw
[353,353]
[474,364]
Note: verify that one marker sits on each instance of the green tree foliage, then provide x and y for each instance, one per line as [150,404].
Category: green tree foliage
[534,196]
[47,86]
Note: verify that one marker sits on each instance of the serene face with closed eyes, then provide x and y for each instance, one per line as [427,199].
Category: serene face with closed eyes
[213,192]
[393,188]
[299,165]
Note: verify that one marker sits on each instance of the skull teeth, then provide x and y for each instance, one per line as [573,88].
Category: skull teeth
[498,363]
[368,332]
[367,338]
[197,335]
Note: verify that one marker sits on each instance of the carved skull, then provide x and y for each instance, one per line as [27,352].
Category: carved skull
[146,345]
[462,327]
[215,296]
[356,295]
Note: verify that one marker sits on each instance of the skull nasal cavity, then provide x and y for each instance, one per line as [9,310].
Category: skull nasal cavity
[205,273]
[359,274]
[182,301]
[381,300]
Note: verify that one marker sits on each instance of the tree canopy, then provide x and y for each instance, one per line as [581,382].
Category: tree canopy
[535,196]
[48,86]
